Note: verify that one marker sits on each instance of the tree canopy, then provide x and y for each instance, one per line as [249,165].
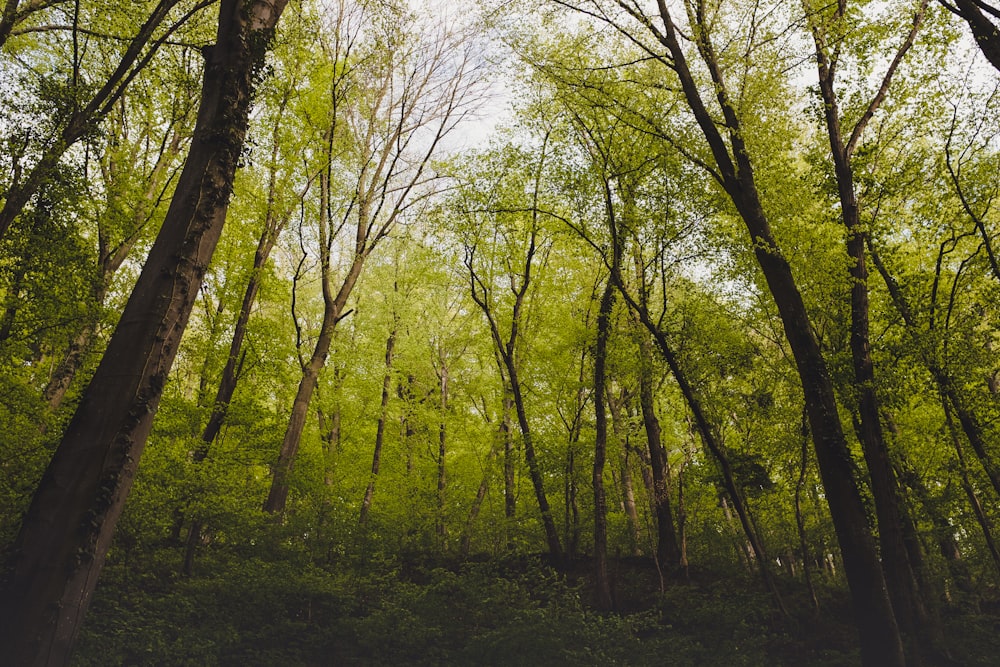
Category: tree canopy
[550,331]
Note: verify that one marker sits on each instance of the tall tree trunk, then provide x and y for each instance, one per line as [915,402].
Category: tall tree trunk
[332,313]
[67,530]
[628,488]
[509,457]
[441,527]
[900,578]
[602,582]
[383,415]
[534,471]
[667,548]
[800,522]
[879,633]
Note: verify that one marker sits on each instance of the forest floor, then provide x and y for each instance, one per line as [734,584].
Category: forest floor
[426,611]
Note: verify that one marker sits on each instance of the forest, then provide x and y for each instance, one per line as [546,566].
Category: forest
[500,332]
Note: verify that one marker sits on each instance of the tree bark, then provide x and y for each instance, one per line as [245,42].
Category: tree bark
[667,548]
[983,29]
[879,633]
[900,577]
[602,582]
[68,528]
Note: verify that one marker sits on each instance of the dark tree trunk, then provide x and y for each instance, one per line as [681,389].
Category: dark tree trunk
[800,523]
[667,548]
[509,457]
[534,471]
[67,530]
[441,527]
[602,582]
[900,578]
[983,29]
[880,640]
[383,415]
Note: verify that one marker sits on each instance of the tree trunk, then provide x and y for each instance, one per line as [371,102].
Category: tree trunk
[986,33]
[333,312]
[334,308]
[67,530]
[667,549]
[509,456]
[800,522]
[383,414]
[897,569]
[620,429]
[880,640]
[551,536]
[441,527]
[602,582]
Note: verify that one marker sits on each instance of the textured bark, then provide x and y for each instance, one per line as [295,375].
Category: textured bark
[68,528]
[601,582]
[880,640]
[983,29]
[111,259]
[891,514]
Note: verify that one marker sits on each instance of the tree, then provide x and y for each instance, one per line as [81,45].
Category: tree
[522,246]
[900,564]
[67,530]
[78,119]
[732,166]
[390,110]
[981,17]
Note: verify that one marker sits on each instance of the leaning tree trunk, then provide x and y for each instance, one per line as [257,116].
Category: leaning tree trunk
[668,551]
[891,513]
[985,31]
[66,533]
[880,640]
